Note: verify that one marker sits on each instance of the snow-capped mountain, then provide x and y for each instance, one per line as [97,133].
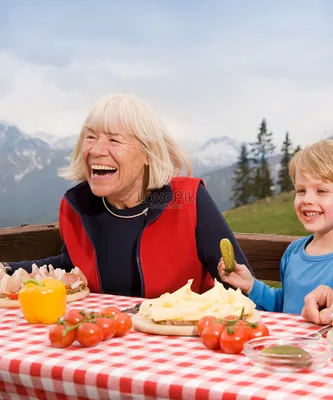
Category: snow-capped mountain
[21,154]
[216,153]
[56,142]
[30,190]
[206,156]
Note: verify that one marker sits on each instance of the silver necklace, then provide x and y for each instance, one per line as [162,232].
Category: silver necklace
[124,216]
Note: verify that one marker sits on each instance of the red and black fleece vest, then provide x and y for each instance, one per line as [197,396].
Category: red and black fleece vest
[168,255]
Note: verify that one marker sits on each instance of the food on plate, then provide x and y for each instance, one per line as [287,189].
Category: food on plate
[74,281]
[43,302]
[227,252]
[178,313]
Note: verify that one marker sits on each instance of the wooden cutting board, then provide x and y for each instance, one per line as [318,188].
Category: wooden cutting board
[142,324]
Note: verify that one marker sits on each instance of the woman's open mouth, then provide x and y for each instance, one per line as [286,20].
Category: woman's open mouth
[102,170]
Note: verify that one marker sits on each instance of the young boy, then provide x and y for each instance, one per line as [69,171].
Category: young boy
[307,262]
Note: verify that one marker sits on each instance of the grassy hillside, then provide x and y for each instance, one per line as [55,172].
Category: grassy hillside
[272,215]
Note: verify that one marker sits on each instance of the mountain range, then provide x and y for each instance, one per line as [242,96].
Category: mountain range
[30,190]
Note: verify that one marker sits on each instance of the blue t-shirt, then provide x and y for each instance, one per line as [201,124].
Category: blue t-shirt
[300,274]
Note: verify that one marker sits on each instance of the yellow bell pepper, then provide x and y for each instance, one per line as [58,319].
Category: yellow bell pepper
[43,302]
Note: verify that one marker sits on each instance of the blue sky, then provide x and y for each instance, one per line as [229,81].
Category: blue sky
[210,67]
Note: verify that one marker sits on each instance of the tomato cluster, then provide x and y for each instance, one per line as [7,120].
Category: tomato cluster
[229,334]
[89,328]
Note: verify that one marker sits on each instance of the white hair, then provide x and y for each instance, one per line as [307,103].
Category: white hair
[135,116]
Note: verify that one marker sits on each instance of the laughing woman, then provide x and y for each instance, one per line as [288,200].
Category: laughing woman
[133,224]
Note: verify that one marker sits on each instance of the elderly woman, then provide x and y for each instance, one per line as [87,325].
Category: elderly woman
[133,224]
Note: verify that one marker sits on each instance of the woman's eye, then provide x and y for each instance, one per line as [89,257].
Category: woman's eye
[90,137]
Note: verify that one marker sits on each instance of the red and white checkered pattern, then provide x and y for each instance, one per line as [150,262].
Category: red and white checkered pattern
[143,366]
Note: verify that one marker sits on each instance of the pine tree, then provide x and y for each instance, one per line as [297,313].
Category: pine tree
[242,187]
[261,150]
[284,180]
[298,148]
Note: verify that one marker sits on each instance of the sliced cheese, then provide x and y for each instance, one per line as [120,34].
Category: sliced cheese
[186,305]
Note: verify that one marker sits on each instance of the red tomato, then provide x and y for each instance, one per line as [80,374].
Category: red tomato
[123,324]
[210,336]
[110,311]
[57,338]
[232,320]
[203,322]
[108,327]
[258,331]
[233,338]
[89,334]
[73,317]
[12,296]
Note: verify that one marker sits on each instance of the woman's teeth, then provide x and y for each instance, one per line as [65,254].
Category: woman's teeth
[102,169]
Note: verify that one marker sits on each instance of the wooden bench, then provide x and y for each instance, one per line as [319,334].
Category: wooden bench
[32,242]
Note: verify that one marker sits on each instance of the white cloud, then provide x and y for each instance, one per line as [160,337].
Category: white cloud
[198,97]
[47,98]
[34,102]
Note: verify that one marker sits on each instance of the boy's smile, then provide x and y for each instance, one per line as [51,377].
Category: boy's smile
[311,216]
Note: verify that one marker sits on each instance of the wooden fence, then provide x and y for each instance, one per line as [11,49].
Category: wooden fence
[32,242]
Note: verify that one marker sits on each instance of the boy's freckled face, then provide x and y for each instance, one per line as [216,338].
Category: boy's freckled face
[314,202]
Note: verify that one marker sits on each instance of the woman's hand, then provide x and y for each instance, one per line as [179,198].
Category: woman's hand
[241,277]
[318,305]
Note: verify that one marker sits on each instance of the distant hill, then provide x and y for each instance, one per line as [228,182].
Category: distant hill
[219,182]
[272,215]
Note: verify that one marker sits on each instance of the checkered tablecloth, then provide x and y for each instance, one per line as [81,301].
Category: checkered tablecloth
[142,366]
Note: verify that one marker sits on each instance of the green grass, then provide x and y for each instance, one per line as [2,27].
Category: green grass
[274,215]
[274,284]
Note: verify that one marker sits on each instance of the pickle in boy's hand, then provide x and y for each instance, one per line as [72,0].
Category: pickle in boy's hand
[227,252]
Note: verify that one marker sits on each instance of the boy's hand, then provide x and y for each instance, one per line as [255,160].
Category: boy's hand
[241,277]
[318,306]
